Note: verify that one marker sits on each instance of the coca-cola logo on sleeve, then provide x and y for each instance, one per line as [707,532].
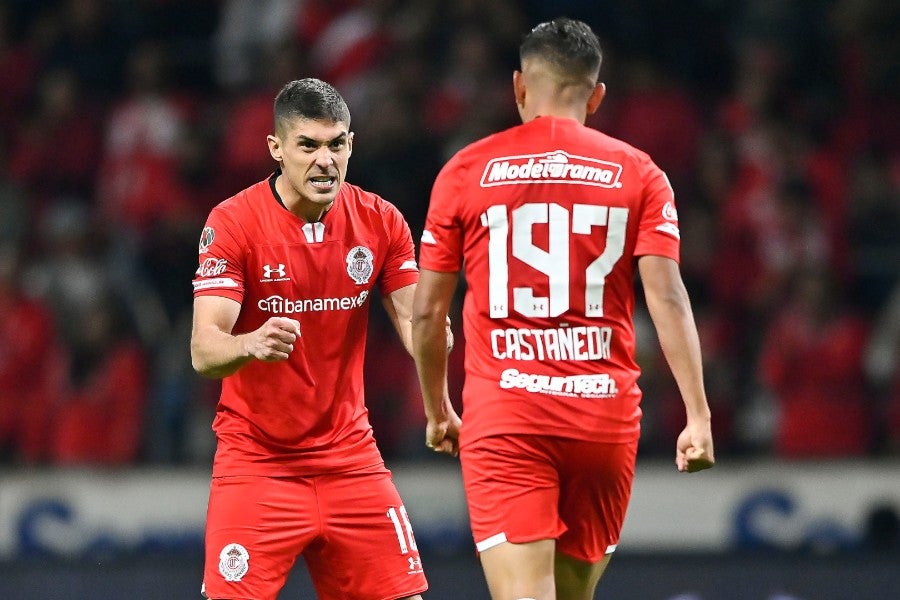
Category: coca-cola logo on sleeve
[212,267]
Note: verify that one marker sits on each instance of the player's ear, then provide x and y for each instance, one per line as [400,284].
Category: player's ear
[519,88]
[275,148]
[596,98]
[350,143]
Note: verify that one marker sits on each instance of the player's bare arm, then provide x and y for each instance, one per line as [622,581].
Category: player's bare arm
[670,309]
[434,293]
[399,305]
[216,353]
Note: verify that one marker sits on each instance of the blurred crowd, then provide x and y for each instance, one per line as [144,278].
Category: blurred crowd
[122,122]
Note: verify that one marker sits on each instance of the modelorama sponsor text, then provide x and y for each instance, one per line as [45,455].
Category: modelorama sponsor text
[551,167]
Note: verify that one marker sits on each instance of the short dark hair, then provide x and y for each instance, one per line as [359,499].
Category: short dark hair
[569,45]
[309,98]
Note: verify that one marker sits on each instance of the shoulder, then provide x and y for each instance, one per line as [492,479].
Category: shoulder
[615,146]
[363,200]
[629,154]
[467,163]
[240,215]
[361,204]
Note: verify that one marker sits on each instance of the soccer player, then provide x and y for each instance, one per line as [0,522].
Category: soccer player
[550,219]
[280,311]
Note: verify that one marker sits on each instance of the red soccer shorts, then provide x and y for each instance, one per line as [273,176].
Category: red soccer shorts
[351,529]
[522,488]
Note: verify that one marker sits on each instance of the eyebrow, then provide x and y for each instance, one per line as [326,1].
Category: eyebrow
[303,138]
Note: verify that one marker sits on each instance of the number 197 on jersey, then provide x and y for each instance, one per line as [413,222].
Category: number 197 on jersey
[564,227]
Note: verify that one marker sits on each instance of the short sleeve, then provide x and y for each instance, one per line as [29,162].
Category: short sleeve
[221,258]
[441,243]
[658,232]
[400,269]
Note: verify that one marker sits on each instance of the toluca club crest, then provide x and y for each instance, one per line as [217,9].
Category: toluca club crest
[234,562]
[359,264]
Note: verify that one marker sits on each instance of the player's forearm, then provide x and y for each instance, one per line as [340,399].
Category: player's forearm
[216,354]
[398,306]
[429,341]
[403,326]
[680,344]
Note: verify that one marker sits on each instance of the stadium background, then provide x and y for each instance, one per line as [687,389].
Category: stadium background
[123,121]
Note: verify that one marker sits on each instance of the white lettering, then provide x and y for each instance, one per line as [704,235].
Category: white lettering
[551,167]
[212,267]
[526,351]
[495,334]
[285,306]
[598,385]
[221,282]
[582,343]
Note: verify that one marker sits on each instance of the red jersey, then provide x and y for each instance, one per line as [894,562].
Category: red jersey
[305,415]
[547,218]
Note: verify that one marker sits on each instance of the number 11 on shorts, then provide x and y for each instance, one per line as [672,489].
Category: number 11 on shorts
[403,529]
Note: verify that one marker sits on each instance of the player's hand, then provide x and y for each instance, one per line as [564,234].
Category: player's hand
[694,448]
[274,340]
[443,435]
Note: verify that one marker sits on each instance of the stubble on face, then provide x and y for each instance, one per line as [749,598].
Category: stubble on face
[314,156]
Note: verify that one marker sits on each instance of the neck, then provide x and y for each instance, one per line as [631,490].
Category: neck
[564,102]
[314,213]
[550,110]
[309,211]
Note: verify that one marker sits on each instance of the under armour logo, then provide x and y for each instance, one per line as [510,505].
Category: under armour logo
[268,271]
[415,564]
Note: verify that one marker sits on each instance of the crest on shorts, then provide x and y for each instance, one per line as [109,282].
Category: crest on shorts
[359,264]
[234,562]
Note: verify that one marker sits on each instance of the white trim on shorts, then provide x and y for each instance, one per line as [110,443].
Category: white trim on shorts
[499,538]
[494,540]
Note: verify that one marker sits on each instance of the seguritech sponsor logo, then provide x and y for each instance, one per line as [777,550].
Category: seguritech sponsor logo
[286,306]
[586,386]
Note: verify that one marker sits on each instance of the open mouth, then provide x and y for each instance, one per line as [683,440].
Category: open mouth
[322,182]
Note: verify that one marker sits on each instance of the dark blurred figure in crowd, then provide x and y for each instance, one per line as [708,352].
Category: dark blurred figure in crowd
[882,363]
[812,363]
[90,402]
[18,70]
[873,228]
[97,415]
[60,113]
[137,185]
[91,44]
[26,372]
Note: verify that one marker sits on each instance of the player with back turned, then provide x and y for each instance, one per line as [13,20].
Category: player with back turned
[550,219]
[280,314]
